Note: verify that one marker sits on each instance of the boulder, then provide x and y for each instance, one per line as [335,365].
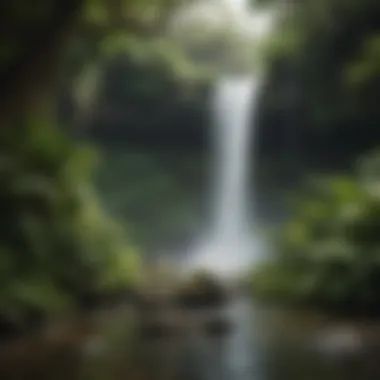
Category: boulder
[218,327]
[157,329]
[202,291]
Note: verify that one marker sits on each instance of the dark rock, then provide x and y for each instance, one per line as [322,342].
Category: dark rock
[201,299]
[10,328]
[93,301]
[34,319]
[158,330]
[218,327]
[203,291]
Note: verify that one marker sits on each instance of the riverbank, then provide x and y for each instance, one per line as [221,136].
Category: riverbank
[273,344]
[59,346]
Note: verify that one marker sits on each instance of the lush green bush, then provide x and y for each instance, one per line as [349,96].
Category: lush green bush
[328,255]
[56,243]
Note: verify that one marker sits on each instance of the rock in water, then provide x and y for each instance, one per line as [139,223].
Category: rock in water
[340,342]
[202,291]
[218,327]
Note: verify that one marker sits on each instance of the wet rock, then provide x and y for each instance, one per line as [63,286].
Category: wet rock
[200,300]
[34,319]
[93,346]
[202,291]
[340,342]
[91,301]
[10,328]
[153,330]
[218,327]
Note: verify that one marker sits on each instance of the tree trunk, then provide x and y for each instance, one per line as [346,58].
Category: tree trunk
[28,82]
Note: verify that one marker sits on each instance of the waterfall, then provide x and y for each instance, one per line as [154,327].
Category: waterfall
[230,244]
[232,117]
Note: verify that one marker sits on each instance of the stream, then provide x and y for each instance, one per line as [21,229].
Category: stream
[262,345]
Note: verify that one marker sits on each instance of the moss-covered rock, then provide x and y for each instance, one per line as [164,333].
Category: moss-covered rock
[202,291]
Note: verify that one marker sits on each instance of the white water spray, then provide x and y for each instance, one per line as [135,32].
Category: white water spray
[229,247]
[232,117]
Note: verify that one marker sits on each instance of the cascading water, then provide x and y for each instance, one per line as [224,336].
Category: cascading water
[229,246]
[232,136]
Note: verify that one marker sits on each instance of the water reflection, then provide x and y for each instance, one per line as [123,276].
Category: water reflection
[221,354]
[259,345]
[259,348]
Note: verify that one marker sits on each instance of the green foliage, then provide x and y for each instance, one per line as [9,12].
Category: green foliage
[328,254]
[149,65]
[56,242]
[330,50]
[366,67]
